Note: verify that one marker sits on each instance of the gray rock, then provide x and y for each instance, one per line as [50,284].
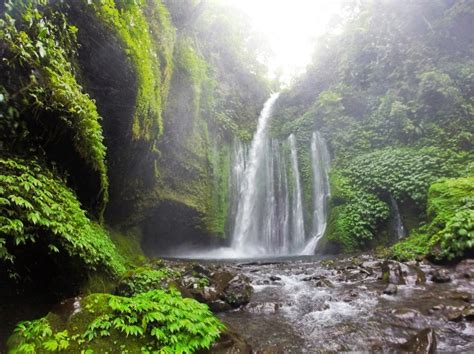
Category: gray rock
[468,313]
[230,343]
[423,342]
[238,292]
[441,276]
[391,289]
[465,268]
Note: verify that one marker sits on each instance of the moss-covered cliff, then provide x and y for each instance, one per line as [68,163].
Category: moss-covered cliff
[123,110]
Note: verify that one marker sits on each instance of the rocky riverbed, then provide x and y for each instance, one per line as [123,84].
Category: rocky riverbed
[356,304]
[307,305]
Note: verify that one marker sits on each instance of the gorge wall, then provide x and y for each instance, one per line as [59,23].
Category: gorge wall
[124,112]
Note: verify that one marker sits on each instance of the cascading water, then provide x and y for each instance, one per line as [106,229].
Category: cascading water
[269,217]
[297,227]
[251,229]
[238,163]
[397,219]
[320,160]
[266,214]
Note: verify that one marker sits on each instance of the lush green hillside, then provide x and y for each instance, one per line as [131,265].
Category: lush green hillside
[392,91]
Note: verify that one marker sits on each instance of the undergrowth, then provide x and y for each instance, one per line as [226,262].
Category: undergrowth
[35,205]
[156,321]
[43,45]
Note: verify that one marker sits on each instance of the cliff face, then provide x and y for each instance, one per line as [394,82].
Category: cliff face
[126,105]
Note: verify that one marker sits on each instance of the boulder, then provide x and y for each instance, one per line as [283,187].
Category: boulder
[423,342]
[230,343]
[392,273]
[238,291]
[465,268]
[391,289]
[468,313]
[440,276]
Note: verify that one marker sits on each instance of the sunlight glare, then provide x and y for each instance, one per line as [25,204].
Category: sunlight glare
[291,27]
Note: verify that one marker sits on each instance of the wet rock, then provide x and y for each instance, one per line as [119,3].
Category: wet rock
[200,269]
[219,306]
[455,315]
[217,287]
[230,343]
[460,296]
[238,291]
[349,297]
[440,276]
[323,283]
[465,268]
[406,314]
[270,350]
[268,307]
[392,273]
[68,308]
[468,313]
[274,278]
[391,289]
[421,343]
[310,278]
[414,271]
[436,309]
[322,306]
[221,280]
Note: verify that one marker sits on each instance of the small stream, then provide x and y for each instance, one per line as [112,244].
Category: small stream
[338,305]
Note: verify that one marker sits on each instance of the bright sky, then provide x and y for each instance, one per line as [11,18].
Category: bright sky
[292,27]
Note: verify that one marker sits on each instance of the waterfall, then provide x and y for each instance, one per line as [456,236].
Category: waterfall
[396,217]
[269,212]
[238,163]
[297,229]
[253,193]
[266,212]
[320,161]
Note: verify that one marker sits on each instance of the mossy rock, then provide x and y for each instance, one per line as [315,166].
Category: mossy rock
[159,320]
[450,232]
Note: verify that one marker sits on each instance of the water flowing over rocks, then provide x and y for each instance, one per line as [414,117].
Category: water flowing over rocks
[355,304]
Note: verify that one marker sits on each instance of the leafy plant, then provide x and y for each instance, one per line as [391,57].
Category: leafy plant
[37,336]
[450,232]
[159,320]
[43,43]
[144,279]
[35,205]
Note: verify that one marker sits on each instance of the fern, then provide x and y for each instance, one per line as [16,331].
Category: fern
[37,204]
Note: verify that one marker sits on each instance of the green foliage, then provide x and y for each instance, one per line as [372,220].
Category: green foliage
[145,279]
[141,46]
[37,336]
[37,206]
[159,320]
[353,224]
[458,235]
[360,185]
[405,173]
[450,232]
[451,208]
[42,44]
[397,117]
[417,244]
